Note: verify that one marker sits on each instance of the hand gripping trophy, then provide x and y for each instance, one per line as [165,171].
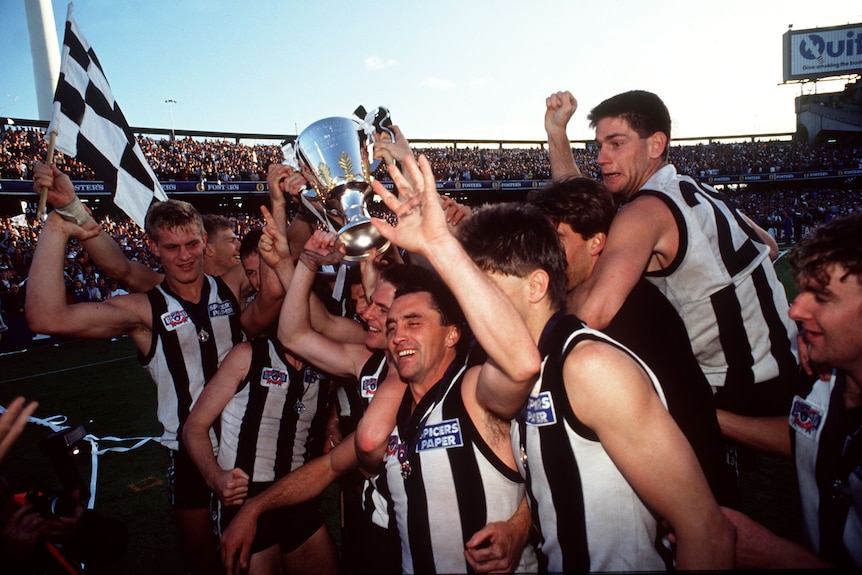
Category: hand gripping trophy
[334,155]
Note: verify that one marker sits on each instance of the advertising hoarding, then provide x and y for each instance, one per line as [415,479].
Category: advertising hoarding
[822,52]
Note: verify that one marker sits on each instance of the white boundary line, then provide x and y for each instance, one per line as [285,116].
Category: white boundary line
[66,369]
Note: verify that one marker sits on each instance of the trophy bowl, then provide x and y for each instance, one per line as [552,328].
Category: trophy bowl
[334,156]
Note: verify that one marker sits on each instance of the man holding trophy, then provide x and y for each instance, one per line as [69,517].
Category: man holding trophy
[327,154]
[334,156]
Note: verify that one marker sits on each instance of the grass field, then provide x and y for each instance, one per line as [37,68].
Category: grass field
[101,385]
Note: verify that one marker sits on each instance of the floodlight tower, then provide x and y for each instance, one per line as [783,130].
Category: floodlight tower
[45,51]
[170,102]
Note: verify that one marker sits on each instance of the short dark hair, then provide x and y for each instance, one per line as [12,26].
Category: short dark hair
[516,239]
[584,204]
[838,241]
[169,215]
[412,278]
[249,242]
[214,223]
[644,111]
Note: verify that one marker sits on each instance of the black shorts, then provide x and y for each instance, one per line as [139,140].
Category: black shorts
[289,526]
[186,486]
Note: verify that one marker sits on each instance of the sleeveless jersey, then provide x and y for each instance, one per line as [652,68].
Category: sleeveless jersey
[373,372]
[649,326]
[724,287]
[455,484]
[189,343]
[276,422]
[353,396]
[828,453]
[588,516]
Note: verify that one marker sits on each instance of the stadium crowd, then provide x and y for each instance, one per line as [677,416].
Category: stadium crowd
[788,213]
[188,159]
[516,327]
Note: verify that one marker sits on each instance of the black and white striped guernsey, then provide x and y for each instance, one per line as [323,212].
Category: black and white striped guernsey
[724,287]
[276,421]
[353,397]
[189,343]
[373,372]
[828,455]
[456,483]
[588,516]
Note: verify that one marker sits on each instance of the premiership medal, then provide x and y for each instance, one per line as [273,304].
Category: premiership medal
[406,470]
[203,335]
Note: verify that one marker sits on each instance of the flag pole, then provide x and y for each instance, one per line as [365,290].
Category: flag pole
[43,193]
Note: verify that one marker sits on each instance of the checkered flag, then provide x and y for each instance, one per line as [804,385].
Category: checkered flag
[90,127]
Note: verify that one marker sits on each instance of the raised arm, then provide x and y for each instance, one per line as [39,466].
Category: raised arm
[560,107]
[389,151]
[377,423]
[46,307]
[514,360]
[136,276]
[282,181]
[12,423]
[764,236]
[611,394]
[230,485]
[260,315]
[279,270]
[295,329]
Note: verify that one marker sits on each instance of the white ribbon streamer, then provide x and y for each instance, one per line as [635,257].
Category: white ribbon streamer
[55,424]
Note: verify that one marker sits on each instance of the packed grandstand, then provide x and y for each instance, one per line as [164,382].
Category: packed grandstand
[191,159]
[785,185]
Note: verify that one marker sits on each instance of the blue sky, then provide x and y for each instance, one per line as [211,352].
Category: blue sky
[445,69]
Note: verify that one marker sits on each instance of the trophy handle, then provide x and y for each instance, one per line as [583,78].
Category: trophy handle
[377,120]
[381,120]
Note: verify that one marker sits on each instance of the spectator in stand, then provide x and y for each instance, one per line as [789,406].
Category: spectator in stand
[5,278]
[18,333]
[78,294]
[114,289]
[92,291]
[215,160]
[102,284]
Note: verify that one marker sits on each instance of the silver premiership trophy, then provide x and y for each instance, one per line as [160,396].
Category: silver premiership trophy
[334,155]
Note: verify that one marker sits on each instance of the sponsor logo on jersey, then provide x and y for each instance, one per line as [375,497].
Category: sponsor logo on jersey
[174,319]
[311,375]
[805,417]
[540,410]
[270,377]
[442,435]
[369,386]
[217,309]
[392,446]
